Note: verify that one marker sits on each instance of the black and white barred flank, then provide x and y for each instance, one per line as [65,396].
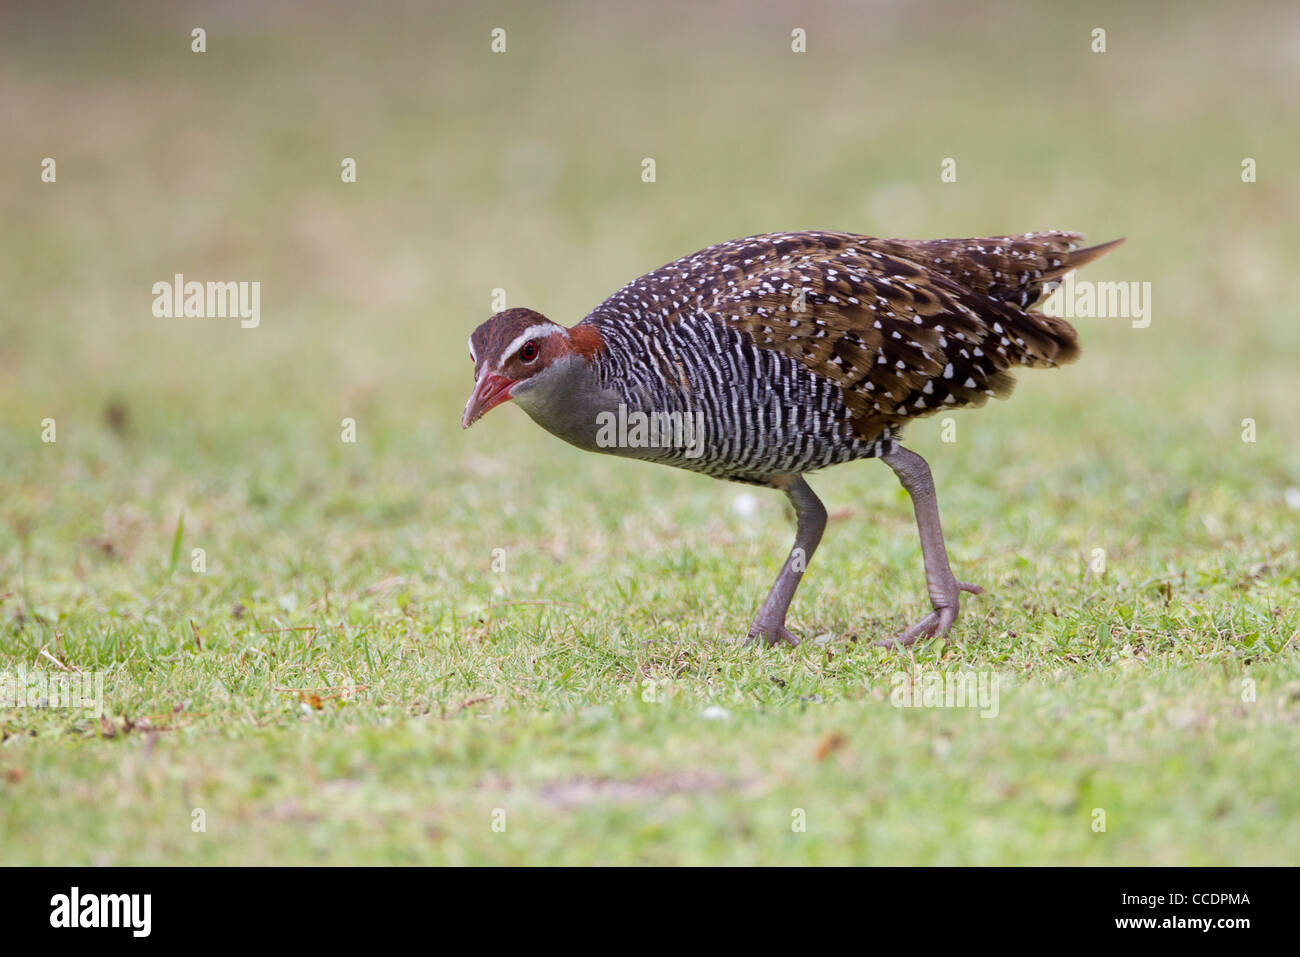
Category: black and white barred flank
[761,412]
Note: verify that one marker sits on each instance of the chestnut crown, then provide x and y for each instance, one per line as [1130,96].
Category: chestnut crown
[516,343]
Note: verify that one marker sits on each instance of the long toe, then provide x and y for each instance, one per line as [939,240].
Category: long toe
[937,623]
[769,635]
[927,627]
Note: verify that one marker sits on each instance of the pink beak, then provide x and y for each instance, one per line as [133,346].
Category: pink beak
[489,392]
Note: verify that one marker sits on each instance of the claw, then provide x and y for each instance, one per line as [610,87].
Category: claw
[937,623]
[768,635]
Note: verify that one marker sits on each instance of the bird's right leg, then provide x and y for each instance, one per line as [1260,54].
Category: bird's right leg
[769,623]
[914,475]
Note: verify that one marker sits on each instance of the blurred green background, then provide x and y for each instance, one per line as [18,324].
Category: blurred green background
[522,171]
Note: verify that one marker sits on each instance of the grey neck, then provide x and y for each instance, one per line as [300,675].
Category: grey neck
[566,399]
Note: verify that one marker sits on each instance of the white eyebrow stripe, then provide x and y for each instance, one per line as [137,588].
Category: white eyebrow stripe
[532,332]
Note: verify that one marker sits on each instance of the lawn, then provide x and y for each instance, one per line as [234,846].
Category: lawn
[431,645]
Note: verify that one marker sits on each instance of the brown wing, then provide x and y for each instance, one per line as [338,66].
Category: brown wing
[906,328]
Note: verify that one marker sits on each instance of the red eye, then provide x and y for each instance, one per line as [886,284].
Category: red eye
[528,351]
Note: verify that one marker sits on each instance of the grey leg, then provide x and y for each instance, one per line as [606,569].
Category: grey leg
[914,475]
[769,623]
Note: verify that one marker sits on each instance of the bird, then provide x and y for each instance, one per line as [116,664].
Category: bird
[763,359]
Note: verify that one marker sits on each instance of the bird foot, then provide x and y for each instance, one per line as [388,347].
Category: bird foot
[770,634]
[937,623]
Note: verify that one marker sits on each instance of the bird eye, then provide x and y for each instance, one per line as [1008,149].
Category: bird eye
[528,351]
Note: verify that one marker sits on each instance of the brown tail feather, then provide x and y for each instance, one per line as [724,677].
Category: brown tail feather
[1078,258]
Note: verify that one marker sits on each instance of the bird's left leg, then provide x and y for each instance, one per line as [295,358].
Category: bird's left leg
[769,623]
[914,475]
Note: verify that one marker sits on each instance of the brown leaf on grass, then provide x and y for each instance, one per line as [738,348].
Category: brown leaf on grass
[154,723]
[313,698]
[467,703]
[14,775]
[316,697]
[106,546]
[110,729]
[831,742]
[117,417]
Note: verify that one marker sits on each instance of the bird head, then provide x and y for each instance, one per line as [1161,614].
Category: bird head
[514,352]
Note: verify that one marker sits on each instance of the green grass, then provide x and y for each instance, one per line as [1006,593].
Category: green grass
[352,680]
